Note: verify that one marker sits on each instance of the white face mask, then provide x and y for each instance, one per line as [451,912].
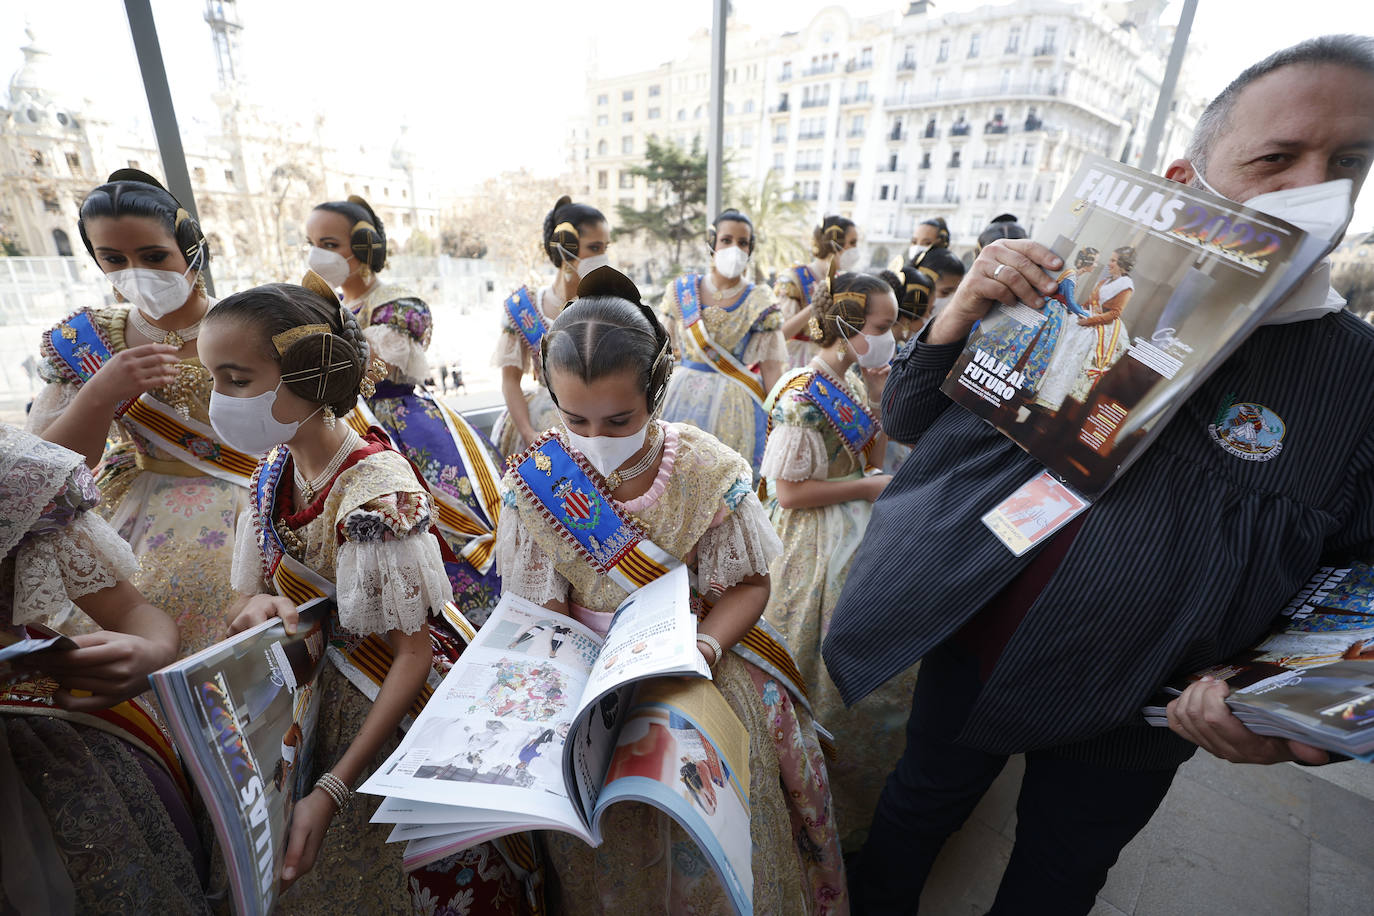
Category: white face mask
[1322,210]
[156,293]
[247,424]
[849,259]
[915,251]
[592,262]
[330,265]
[606,453]
[880,348]
[730,261]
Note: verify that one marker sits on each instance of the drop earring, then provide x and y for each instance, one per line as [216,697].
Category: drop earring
[329,417]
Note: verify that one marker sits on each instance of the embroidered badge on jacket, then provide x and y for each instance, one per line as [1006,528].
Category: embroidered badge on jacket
[1251,432]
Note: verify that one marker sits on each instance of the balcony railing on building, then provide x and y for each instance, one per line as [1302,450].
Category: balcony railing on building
[993,92]
[816,102]
[932,200]
[857,99]
[811,135]
[819,70]
[906,65]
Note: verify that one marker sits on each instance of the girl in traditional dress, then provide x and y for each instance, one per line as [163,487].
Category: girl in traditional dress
[342,514]
[825,433]
[836,239]
[576,237]
[171,487]
[457,462]
[1092,344]
[98,816]
[607,363]
[724,326]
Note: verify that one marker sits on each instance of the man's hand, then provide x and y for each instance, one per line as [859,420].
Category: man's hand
[1007,271]
[265,607]
[1201,715]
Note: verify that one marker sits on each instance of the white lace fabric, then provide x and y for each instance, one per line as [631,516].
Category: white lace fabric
[390,584]
[795,453]
[526,570]
[743,544]
[765,347]
[245,575]
[510,350]
[52,568]
[407,356]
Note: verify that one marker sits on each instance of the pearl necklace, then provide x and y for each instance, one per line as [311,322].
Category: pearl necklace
[721,294]
[178,338]
[616,478]
[309,488]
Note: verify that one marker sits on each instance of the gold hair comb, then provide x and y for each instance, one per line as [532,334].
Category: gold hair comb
[319,286]
[858,299]
[285,339]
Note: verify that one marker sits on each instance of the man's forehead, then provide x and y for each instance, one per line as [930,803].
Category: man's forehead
[1297,104]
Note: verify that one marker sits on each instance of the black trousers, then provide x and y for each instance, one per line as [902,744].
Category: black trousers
[1073,817]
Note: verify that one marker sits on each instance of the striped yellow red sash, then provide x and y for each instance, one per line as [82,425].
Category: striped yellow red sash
[191,441]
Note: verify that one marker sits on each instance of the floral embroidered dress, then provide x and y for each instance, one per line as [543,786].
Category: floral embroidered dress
[512,349]
[751,329]
[180,522]
[701,509]
[94,824]
[818,548]
[1085,352]
[1013,343]
[794,289]
[369,533]
[457,462]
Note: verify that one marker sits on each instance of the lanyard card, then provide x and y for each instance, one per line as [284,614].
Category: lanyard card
[1038,508]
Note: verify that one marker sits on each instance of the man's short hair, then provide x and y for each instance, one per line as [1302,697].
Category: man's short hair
[1356,51]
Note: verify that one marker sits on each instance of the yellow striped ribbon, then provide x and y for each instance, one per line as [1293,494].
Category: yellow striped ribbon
[164,427]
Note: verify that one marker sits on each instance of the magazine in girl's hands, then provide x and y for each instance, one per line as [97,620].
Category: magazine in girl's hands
[543,724]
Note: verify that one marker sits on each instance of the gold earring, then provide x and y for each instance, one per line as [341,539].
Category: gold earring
[365,273]
[813,328]
[329,418]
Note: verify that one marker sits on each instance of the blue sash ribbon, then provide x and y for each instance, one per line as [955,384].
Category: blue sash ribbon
[78,348]
[851,421]
[526,318]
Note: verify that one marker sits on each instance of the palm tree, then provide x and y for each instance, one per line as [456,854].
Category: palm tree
[780,224]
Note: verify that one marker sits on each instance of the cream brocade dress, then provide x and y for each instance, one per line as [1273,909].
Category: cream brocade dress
[700,508]
[180,523]
[513,350]
[818,547]
[751,329]
[791,300]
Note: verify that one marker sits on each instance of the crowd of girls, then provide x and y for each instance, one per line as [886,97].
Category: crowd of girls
[196,454]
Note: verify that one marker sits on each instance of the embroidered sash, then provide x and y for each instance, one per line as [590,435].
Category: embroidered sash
[451,514]
[1107,339]
[562,488]
[806,282]
[363,660]
[856,428]
[77,347]
[194,443]
[524,314]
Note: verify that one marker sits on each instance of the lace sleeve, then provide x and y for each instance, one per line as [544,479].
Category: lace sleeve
[766,345]
[743,544]
[795,453]
[48,405]
[245,573]
[61,564]
[525,568]
[510,348]
[390,584]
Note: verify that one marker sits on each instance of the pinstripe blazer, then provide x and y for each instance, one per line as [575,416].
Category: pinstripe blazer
[1184,561]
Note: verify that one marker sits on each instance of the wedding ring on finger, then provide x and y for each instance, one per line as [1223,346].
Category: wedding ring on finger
[998,271]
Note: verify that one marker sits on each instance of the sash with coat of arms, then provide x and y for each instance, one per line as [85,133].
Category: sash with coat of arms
[524,314]
[856,428]
[77,348]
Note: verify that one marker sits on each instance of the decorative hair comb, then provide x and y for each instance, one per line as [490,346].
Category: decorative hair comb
[285,339]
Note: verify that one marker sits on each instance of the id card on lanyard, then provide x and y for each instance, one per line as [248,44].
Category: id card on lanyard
[1038,508]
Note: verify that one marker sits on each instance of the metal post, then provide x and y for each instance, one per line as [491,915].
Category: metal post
[715,138]
[1150,155]
[149,52]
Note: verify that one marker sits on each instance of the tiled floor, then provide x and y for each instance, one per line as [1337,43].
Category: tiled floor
[1228,841]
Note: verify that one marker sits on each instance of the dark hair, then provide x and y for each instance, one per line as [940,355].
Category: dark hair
[731,216]
[578,216]
[944,262]
[1125,258]
[1004,226]
[1355,51]
[832,307]
[1084,257]
[129,192]
[279,307]
[369,247]
[941,228]
[828,237]
[607,330]
[914,288]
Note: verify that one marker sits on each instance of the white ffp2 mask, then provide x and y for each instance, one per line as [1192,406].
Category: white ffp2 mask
[247,424]
[606,453]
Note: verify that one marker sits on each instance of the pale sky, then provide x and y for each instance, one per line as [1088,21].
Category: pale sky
[489,86]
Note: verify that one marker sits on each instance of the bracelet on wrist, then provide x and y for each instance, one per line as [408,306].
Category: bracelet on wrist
[336,789]
[713,644]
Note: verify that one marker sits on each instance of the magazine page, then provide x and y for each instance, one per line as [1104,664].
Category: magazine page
[488,746]
[1331,707]
[1160,283]
[242,713]
[683,750]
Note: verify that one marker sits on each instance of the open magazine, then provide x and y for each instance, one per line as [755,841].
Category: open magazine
[1084,389]
[543,724]
[242,713]
[1312,678]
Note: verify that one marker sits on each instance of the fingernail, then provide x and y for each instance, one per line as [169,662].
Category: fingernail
[288,873]
[1207,677]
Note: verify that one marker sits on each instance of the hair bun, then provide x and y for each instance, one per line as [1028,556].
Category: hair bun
[607,281]
[561,202]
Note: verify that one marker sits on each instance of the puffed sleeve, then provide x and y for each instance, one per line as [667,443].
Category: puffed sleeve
[245,572]
[740,542]
[388,569]
[526,570]
[72,553]
[48,405]
[796,449]
[766,344]
[510,346]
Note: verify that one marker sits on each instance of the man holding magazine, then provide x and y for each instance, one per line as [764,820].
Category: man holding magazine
[1184,561]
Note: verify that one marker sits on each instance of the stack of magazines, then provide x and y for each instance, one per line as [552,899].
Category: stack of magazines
[1312,678]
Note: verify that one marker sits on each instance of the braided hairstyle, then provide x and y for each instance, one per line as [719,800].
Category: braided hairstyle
[835,310]
[607,329]
[559,240]
[367,241]
[129,192]
[325,368]
[828,237]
